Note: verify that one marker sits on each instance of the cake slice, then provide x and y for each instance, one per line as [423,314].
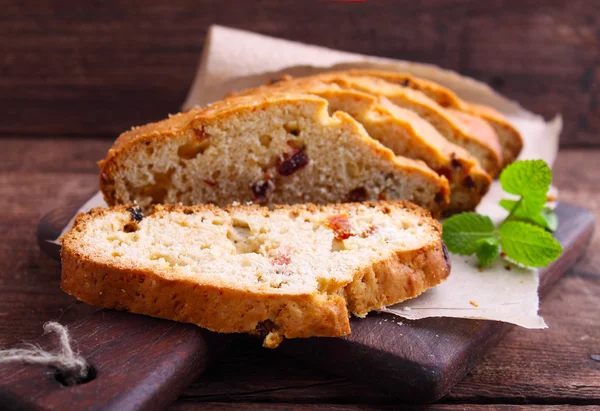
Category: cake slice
[485,148]
[405,133]
[509,137]
[295,271]
[283,148]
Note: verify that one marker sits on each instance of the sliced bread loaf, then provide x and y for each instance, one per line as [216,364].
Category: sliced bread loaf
[405,133]
[509,137]
[484,147]
[295,271]
[276,149]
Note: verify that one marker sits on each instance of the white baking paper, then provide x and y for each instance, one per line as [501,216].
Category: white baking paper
[235,59]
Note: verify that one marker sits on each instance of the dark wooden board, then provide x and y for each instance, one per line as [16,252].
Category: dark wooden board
[98,68]
[140,363]
[377,352]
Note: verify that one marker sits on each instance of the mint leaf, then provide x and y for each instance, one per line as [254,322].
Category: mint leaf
[550,218]
[529,179]
[526,177]
[528,244]
[463,232]
[487,251]
[546,218]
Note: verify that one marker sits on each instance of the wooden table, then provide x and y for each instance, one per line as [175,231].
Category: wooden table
[75,74]
[529,368]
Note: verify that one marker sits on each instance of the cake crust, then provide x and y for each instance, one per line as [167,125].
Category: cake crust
[273,315]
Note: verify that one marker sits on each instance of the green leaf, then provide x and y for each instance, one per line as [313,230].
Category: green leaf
[529,179]
[487,251]
[462,232]
[525,177]
[546,218]
[507,204]
[550,218]
[528,244]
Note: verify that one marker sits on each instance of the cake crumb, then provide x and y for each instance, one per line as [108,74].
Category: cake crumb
[473,303]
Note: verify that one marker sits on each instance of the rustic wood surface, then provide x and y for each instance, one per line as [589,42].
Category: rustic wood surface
[134,363]
[97,68]
[543,367]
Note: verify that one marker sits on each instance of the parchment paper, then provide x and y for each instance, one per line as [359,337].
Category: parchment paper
[235,59]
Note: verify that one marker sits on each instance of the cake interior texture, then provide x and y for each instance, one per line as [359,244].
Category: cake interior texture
[276,150]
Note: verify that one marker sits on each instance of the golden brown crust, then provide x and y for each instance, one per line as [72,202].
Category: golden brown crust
[197,119]
[489,154]
[510,138]
[403,275]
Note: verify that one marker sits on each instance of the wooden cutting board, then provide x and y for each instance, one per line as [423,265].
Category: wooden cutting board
[145,363]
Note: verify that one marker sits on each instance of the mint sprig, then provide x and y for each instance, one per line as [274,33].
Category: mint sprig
[522,236]
[528,244]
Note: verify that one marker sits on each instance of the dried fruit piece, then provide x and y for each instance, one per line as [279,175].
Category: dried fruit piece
[340,225]
[282,259]
[468,182]
[210,183]
[262,187]
[357,195]
[453,160]
[444,171]
[292,163]
[136,213]
[265,327]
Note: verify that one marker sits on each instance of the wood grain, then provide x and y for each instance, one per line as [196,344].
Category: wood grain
[138,363]
[91,69]
[545,367]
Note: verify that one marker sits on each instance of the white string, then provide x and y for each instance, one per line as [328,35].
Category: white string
[72,366]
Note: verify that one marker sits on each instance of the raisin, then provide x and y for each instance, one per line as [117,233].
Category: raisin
[340,225]
[357,195]
[469,182]
[210,183]
[264,327]
[261,188]
[455,163]
[136,213]
[292,163]
[444,171]
[406,82]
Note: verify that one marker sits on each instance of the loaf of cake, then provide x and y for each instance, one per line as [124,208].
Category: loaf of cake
[290,272]
[280,148]
[509,137]
[404,132]
[485,147]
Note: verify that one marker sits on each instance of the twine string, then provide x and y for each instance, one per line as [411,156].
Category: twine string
[71,366]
